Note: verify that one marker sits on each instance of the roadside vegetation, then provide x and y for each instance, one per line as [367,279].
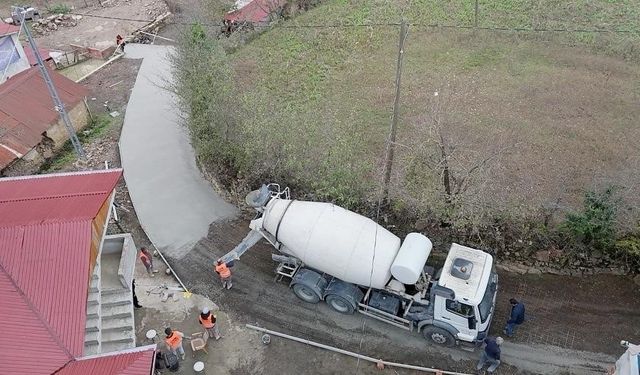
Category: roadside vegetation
[66,155]
[508,139]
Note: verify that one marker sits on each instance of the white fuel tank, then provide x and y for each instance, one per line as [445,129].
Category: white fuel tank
[334,240]
[413,254]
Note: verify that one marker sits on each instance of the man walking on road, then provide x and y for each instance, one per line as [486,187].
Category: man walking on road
[490,355]
[174,341]
[208,321]
[223,270]
[516,318]
[147,260]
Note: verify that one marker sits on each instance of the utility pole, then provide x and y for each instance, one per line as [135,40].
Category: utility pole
[58,104]
[404,30]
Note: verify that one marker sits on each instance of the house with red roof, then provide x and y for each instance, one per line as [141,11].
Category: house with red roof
[253,12]
[65,286]
[30,127]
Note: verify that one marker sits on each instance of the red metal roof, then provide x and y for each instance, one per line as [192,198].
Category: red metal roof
[135,362]
[27,110]
[257,11]
[54,197]
[28,51]
[34,350]
[6,29]
[45,237]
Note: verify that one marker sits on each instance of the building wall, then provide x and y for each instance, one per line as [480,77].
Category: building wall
[54,138]
[16,67]
[58,132]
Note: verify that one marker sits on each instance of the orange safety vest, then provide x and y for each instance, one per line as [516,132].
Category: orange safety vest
[144,258]
[174,340]
[223,270]
[208,322]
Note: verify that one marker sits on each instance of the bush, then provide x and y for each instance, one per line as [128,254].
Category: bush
[594,227]
[59,9]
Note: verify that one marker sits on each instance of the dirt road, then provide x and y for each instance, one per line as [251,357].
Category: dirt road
[552,342]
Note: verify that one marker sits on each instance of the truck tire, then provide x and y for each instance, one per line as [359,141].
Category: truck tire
[339,304]
[438,336]
[305,293]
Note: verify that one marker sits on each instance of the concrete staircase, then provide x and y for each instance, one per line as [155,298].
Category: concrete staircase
[94,323]
[118,326]
[110,324]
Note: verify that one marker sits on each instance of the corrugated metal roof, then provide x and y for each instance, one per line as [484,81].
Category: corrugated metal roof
[45,240]
[54,197]
[28,51]
[31,347]
[26,109]
[6,29]
[136,362]
[256,11]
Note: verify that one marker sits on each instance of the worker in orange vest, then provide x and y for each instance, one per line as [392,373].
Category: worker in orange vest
[174,341]
[223,270]
[147,260]
[208,321]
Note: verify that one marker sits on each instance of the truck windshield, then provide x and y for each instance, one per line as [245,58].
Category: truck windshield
[487,302]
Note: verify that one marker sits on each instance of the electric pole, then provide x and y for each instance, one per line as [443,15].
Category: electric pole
[57,102]
[404,30]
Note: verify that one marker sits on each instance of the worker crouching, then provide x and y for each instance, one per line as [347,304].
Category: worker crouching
[208,321]
[174,341]
[223,270]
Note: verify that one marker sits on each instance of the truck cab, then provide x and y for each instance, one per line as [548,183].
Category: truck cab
[464,295]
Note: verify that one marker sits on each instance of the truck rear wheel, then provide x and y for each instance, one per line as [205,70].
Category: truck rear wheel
[339,304]
[438,336]
[305,293]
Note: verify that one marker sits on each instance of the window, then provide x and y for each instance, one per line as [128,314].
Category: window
[459,308]
[487,301]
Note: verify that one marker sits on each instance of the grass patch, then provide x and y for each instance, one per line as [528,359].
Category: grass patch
[67,154]
[59,9]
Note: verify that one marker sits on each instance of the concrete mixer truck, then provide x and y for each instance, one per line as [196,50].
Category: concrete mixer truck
[330,254]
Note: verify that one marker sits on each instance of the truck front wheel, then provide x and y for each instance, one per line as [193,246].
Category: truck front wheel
[339,304]
[305,293]
[438,336]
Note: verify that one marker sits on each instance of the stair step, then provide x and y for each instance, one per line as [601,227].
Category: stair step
[92,311]
[110,324]
[108,292]
[118,311]
[92,338]
[108,347]
[118,336]
[91,349]
[114,299]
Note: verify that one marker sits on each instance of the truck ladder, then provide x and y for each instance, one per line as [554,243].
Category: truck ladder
[286,269]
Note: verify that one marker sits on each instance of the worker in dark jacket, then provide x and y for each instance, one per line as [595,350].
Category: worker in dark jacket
[490,355]
[516,318]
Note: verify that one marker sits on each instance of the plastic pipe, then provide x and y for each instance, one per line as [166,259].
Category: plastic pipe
[355,355]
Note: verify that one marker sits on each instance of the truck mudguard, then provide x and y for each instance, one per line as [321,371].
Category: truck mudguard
[436,323]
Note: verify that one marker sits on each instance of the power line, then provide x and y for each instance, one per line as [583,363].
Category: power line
[386,24]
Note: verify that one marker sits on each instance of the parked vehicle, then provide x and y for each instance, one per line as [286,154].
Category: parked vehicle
[29,12]
[629,362]
[353,264]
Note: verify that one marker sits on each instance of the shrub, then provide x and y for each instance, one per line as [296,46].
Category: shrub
[59,9]
[594,227]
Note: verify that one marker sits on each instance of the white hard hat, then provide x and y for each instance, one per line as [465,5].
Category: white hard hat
[499,340]
[205,310]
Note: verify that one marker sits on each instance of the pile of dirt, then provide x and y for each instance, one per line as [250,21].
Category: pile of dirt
[53,22]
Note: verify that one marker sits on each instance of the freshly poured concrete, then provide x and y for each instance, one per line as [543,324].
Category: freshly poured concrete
[174,203]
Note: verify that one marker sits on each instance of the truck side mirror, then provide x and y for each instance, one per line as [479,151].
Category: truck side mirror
[472,322]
